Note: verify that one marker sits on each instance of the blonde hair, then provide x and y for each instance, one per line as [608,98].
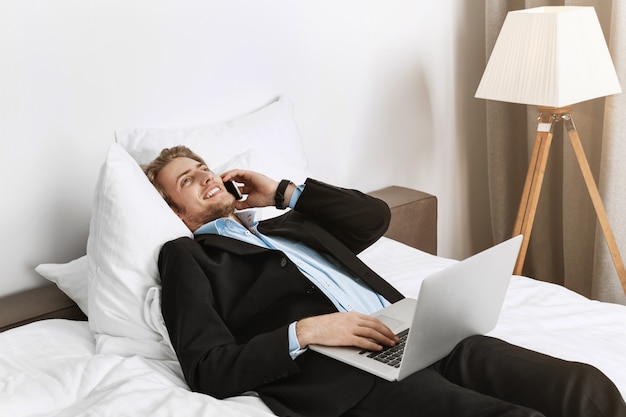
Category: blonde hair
[166,156]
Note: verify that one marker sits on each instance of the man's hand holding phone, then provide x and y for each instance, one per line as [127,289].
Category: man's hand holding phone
[260,189]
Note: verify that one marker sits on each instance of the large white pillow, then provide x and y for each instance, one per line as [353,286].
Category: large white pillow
[270,131]
[130,222]
[267,141]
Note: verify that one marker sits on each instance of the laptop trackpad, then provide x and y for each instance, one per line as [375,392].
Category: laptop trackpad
[394,324]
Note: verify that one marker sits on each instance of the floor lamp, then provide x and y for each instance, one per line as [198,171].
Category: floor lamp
[552,57]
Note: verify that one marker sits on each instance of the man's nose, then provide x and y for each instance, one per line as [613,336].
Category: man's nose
[207,176]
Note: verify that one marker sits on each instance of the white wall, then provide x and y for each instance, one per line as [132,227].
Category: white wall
[378,92]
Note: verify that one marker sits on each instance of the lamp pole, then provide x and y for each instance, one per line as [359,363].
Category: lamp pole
[548,116]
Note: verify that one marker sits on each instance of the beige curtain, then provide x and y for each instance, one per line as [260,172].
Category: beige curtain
[566,246]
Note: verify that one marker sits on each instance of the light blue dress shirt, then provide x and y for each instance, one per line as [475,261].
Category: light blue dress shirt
[347,292]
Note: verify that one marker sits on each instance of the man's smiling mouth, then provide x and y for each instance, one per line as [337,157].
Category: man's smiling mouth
[212,192]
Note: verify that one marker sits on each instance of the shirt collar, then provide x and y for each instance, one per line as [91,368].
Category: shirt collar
[247,217]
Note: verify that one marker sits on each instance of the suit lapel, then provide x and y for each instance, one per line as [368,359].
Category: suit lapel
[230,245]
[298,227]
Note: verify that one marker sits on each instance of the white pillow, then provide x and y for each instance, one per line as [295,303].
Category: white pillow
[129,224]
[271,130]
[71,278]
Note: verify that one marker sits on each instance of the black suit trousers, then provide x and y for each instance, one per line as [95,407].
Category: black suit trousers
[487,377]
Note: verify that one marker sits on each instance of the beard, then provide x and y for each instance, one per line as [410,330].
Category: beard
[215,211]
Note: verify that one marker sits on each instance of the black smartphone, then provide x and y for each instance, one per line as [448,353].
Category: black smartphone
[232,188]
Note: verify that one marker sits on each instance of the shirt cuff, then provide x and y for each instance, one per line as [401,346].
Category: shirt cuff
[294,345]
[296,195]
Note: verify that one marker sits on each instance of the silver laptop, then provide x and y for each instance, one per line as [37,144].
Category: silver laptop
[459,301]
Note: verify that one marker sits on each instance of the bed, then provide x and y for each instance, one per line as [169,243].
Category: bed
[56,362]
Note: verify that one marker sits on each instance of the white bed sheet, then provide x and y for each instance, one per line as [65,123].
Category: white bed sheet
[50,368]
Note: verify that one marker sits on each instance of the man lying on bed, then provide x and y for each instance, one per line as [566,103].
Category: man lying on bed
[243,301]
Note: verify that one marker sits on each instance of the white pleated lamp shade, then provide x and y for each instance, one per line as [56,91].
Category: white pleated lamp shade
[549,56]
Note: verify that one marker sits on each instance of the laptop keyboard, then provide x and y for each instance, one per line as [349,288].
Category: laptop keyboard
[391,356]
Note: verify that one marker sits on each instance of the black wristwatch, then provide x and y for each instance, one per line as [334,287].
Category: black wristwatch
[279,197]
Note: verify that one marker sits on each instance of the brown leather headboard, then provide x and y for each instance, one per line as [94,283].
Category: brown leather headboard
[413,217]
[45,302]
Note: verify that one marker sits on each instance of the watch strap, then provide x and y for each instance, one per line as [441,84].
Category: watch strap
[279,197]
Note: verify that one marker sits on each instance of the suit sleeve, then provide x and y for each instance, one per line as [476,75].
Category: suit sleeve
[356,219]
[212,360]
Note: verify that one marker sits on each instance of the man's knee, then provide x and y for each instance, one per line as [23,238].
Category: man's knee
[555,386]
[593,392]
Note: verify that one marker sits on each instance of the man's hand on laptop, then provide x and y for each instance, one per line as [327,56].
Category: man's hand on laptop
[345,329]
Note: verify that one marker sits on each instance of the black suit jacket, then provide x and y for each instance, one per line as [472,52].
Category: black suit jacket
[227,305]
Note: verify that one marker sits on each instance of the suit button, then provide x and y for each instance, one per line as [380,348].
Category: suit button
[283,262]
[310,289]
[285,374]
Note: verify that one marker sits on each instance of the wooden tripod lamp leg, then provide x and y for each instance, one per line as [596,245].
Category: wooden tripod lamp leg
[532,186]
[595,198]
